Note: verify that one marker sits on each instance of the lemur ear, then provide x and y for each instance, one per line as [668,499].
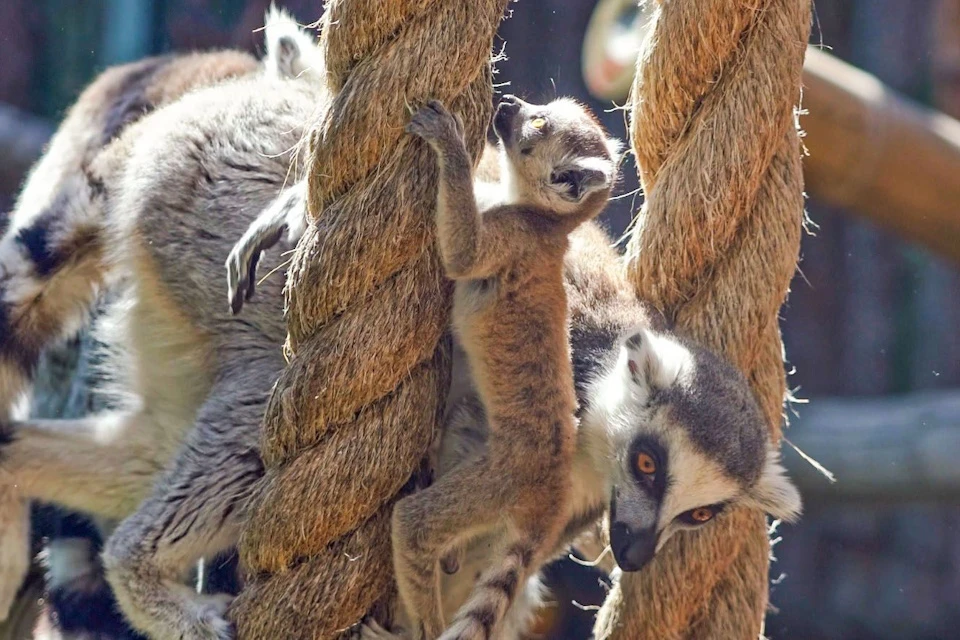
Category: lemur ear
[574,181]
[287,54]
[654,362]
[615,149]
[774,493]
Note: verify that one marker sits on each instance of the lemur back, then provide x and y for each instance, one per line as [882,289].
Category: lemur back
[188,163]
[504,247]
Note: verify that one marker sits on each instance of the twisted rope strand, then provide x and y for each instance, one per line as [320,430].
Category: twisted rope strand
[715,248]
[351,417]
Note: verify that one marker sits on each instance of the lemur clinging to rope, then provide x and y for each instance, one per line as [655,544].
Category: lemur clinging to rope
[504,247]
[670,434]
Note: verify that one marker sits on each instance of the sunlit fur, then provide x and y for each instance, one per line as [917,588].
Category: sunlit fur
[155,172]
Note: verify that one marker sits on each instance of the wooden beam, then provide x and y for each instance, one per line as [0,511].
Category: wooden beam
[880,155]
[872,151]
[885,449]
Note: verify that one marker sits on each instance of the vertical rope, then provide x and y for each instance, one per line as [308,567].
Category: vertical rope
[715,248]
[351,417]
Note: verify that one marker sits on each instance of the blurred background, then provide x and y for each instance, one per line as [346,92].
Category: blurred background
[872,325]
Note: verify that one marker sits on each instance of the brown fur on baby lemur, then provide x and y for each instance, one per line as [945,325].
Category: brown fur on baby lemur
[504,246]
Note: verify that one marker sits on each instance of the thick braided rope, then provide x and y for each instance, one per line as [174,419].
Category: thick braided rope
[715,248]
[351,417]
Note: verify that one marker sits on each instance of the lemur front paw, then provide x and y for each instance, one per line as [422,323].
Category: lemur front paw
[435,124]
[242,262]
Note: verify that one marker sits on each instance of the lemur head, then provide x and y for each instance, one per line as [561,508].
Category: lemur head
[555,154]
[684,438]
[292,52]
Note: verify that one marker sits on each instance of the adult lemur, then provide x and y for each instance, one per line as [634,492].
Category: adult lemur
[670,434]
[152,177]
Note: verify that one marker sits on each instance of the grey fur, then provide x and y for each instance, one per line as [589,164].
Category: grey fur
[179,460]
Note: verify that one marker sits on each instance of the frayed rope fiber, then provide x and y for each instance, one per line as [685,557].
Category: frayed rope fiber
[714,248]
[350,419]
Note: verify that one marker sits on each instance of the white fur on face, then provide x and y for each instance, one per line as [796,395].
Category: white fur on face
[695,481]
[510,180]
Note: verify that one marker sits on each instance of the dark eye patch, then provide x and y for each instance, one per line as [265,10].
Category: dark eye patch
[655,483]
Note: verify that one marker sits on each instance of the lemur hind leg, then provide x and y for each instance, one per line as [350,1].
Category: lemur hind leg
[427,524]
[533,531]
[104,464]
[470,499]
[196,511]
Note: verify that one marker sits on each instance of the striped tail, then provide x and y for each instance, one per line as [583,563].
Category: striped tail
[493,595]
[51,271]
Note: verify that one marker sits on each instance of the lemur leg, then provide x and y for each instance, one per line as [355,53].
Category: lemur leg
[533,531]
[427,525]
[471,498]
[195,511]
[103,464]
[14,546]
[93,465]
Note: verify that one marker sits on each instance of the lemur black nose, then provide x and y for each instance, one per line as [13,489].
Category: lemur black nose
[510,104]
[632,549]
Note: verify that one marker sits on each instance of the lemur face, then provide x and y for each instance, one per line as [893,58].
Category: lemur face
[556,154]
[687,440]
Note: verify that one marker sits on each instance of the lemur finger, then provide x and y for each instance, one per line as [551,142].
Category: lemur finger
[233,284]
[414,127]
[252,274]
[237,280]
[458,122]
[371,630]
[437,106]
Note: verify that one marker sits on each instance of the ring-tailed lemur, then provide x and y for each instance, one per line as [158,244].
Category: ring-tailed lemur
[504,248]
[670,434]
[157,170]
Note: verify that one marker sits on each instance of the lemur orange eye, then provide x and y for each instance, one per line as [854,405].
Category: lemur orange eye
[703,514]
[538,123]
[646,464]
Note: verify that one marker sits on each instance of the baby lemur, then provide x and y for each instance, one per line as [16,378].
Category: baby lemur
[504,247]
